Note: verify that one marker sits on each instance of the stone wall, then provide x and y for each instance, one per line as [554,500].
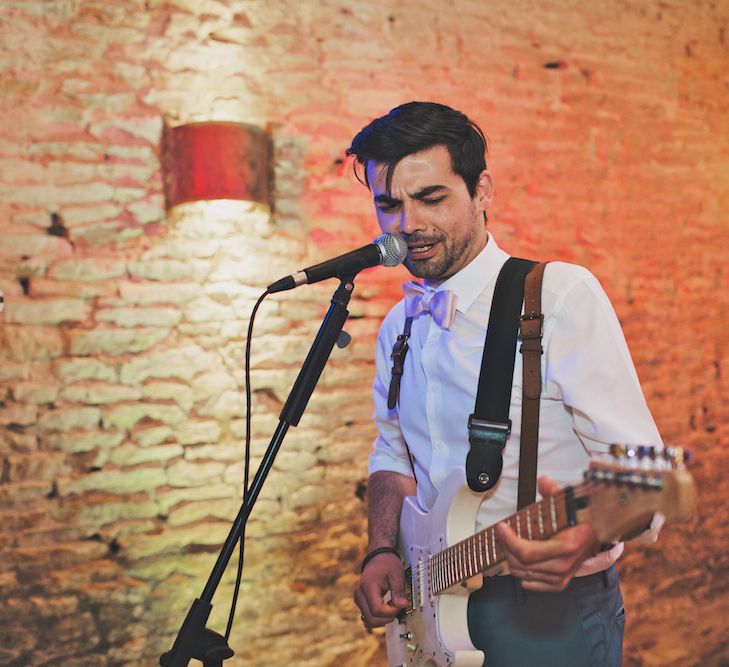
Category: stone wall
[122,340]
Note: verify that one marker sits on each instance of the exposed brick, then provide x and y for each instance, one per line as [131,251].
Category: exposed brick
[114,341]
[183,363]
[90,269]
[140,317]
[197,432]
[95,393]
[74,442]
[608,148]
[119,482]
[65,419]
[127,416]
[48,311]
[73,370]
[33,343]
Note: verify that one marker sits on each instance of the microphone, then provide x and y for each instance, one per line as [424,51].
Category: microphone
[387,249]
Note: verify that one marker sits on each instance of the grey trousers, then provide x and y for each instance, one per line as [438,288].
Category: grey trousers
[580,627]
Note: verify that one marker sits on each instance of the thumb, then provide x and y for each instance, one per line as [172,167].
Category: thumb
[397,592]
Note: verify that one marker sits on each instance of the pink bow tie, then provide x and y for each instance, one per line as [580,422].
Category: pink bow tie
[441,305]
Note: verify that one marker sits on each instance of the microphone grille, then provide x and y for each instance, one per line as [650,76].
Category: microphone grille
[393,248]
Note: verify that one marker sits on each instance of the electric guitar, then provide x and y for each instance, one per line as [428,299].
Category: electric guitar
[445,560]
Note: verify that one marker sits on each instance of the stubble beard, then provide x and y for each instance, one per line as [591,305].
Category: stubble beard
[443,266]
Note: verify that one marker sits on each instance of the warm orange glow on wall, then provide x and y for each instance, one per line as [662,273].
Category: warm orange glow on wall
[216,160]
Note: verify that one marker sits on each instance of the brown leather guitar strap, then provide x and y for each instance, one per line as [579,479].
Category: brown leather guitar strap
[531,330]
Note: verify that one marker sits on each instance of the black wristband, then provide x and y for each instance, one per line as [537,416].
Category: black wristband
[377,552]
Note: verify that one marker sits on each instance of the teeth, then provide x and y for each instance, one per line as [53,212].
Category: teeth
[423,248]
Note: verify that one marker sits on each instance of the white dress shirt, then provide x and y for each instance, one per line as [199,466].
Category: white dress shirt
[590,397]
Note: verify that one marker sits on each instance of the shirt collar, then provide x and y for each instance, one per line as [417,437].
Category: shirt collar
[470,281]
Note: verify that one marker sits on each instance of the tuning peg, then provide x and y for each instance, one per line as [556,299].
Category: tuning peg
[676,455]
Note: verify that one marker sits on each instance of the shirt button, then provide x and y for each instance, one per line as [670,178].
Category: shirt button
[439,445]
[434,388]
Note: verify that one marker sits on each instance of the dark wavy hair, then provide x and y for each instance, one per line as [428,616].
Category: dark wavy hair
[417,126]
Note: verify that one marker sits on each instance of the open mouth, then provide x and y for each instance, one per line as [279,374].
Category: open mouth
[421,251]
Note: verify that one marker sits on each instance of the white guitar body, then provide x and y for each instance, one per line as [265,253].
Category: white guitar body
[444,554]
[436,633]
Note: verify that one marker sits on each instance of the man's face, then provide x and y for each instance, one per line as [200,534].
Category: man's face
[430,206]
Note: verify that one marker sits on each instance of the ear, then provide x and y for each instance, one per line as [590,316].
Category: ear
[484,190]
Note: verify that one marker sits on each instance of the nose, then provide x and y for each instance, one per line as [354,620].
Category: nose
[409,220]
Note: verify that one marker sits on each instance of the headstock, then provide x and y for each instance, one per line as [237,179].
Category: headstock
[626,487]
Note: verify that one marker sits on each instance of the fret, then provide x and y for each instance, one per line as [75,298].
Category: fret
[481,537]
[518,525]
[541,520]
[466,560]
[553,514]
[434,573]
[493,545]
[421,583]
[529,523]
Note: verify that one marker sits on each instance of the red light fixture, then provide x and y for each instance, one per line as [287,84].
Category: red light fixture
[216,160]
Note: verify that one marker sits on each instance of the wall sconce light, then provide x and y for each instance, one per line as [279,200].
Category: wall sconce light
[216,160]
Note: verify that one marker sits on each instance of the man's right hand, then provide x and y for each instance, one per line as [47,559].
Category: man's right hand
[380,594]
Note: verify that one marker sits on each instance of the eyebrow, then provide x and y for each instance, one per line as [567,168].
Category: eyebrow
[421,194]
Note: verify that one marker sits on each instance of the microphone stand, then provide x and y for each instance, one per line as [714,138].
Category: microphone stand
[194,641]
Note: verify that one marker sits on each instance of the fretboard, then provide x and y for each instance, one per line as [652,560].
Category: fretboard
[482,551]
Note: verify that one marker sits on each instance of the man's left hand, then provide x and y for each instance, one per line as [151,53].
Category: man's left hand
[547,565]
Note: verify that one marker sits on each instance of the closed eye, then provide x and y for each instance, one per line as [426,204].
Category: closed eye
[432,201]
[386,204]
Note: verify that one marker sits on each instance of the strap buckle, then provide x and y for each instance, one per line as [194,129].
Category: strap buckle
[531,325]
[400,349]
[486,430]
[484,460]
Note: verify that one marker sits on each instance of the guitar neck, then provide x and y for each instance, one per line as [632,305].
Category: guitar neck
[482,551]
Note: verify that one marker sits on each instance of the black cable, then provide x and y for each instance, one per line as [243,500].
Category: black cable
[247,463]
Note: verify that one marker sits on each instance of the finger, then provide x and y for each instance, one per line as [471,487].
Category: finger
[376,611]
[521,551]
[398,597]
[566,547]
[547,486]
[538,576]
[369,619]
